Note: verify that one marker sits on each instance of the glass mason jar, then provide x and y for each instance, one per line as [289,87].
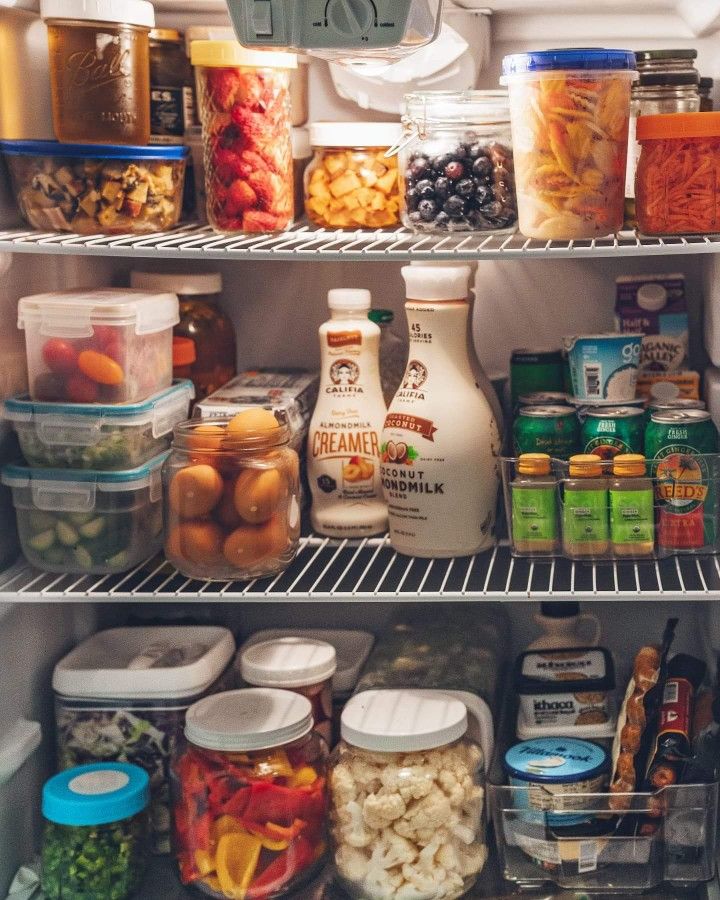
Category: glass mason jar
[456,162]
[244,105]
[231,490]
[250,798]
[406,797]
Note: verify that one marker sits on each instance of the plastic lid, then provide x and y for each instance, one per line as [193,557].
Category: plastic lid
[651,296]
[585,465]
[564,671]
[706,83]
[355,134]
[96,794]
[584,58]
[555,760]
[181,283]
[288,662]
[678,125]
[128,12]
[249,719]
[91,151]
[107,482]
[166,34]
[183,351]
[680,78]
[381,316]
[628,464]
[397,721]
[301,146]
[441,283]
[232,53]
[533,464]
[349,298]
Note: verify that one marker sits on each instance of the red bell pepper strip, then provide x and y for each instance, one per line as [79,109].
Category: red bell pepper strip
[274,832]
[288,864]
[236,804]
[274,803]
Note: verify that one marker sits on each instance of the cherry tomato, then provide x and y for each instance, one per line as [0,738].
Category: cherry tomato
[102,334]
[49,388]
[60,356]
[100,367]
[81,390]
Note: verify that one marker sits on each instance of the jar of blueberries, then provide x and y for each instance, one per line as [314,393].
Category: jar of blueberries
[456,162]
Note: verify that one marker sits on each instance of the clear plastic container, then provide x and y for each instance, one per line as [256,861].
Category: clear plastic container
[407,797]
[111,345]
[350,182]
[250,797]
[96,189]
[570,111]
[232,509]
[95,837]
[456,162]
[100,69]
[105,438]
[244,104]
[122,694]
[88,522]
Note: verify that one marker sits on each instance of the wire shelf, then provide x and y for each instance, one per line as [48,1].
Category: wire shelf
[302,242]
[371,571]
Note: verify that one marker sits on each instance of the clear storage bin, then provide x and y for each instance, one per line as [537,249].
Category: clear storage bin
[121,696]
[105,346]
[88,522]
[105,438]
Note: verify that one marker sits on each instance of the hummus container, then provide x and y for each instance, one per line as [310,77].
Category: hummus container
[603,367]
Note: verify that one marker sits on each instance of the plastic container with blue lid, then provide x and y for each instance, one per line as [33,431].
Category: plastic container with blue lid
[95,841]
[583,58]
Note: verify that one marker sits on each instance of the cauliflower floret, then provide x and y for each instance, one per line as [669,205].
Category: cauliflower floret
[411,782]
[352,827]
[379,884]
[423,817]
[426,881]
[367,776]
[453,788]
[392,850]
[448,858]
[343,785]
[380,810]
[472,859]
[351,863]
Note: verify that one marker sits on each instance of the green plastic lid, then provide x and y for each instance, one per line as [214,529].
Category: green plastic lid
[381,316]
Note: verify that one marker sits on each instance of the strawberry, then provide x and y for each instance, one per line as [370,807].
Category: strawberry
[222,87]
[256,131]
[240,197]
[255,220]
[227,165]
[251,89]
[254,161]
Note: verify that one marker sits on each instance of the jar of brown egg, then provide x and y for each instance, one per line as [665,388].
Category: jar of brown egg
[231,490]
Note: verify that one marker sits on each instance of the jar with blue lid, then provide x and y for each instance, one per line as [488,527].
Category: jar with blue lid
[95,840]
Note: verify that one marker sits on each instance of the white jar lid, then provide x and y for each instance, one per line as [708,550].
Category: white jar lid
[349,298]
[288,662]
[127,12]
[355,134]
[248,719]
[403,721]
[435,281]
[178,282]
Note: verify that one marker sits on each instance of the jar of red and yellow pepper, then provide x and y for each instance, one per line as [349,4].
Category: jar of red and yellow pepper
[676,186]
[250,795]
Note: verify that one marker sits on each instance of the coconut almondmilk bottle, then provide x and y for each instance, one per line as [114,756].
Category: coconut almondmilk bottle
[441,441]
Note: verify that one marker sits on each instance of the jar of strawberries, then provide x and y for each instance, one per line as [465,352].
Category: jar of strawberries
[244,105]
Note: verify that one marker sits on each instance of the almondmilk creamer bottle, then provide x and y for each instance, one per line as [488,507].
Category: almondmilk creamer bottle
[344,439]
[441,441]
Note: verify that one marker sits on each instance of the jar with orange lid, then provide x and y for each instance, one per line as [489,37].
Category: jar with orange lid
[676,187]
[231,497]
[586,530]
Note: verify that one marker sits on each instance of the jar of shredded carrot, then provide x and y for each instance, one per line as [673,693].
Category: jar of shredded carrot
[677,189]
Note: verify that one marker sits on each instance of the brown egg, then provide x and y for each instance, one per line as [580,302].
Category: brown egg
[198,542]
[250,544]
[225,512]
[206,437]
[258,493]
[195,490]
[252,420]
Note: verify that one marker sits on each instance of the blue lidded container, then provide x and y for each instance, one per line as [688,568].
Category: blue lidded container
[581,58]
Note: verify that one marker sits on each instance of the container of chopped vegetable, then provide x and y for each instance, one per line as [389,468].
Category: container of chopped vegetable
[96,188]
[88,522]
[95,836]
[121,695]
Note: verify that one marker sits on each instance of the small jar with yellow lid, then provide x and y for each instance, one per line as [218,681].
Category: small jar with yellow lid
[586,531]
[534,517]
[632,510]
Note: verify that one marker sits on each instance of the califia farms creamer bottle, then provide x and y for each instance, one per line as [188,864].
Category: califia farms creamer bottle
[441,441]
[344,438]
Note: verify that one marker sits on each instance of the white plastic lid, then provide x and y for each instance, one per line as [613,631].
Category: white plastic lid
[355,134]
[152,663]
[349,298]
[288,662]
[128,12]
[248,719]
[178,282]
[652,296]
[301,148]
[403,721]
[436,282]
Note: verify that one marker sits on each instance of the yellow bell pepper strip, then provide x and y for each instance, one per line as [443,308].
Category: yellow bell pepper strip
[271,834]
[205,862]
[226,825]
[236,860]
[275,765]
[303,777]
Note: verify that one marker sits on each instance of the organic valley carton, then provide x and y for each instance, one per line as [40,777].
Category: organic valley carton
[655,305]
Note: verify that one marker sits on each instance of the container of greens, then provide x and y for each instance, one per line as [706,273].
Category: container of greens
[95,836]
[121,695]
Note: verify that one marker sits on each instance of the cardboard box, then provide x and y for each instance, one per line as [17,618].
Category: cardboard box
[655,305]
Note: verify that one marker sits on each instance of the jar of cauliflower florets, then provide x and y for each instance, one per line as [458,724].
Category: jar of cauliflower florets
[406,797]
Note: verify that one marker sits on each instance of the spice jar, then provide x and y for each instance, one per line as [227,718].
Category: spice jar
[406,797]
[100,69]
[95,841]
[231,497]
[297,664]
[250,797]
[456,162]
[172,97]
[244,103]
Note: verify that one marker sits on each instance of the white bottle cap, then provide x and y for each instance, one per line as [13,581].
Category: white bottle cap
[436,282]
[651,296]
[288,662]
[349,298]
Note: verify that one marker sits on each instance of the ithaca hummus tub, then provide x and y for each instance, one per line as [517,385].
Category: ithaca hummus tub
[603,367]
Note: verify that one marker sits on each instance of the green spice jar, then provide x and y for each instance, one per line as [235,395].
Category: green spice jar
[632,510]
[586,531]
[95,841]
[534,506]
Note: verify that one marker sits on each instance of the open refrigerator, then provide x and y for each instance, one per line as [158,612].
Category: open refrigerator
[275,287]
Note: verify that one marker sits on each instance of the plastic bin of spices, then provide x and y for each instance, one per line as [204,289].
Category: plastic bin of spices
[569,111]
[95,837]
[250,796]
[676,185]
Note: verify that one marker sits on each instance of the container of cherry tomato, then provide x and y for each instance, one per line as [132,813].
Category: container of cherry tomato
[676,185]
[244,105]
[250,797]
[98,346]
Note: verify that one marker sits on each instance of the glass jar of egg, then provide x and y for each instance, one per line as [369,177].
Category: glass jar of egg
[231,497]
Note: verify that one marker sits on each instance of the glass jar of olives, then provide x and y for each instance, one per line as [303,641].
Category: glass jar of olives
[456,162]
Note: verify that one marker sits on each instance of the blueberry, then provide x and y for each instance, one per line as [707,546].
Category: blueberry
[454,170]
[442,220]
[482,167]
[427,210]
[493,209]
[439,162]
[454,207]
[477,219]
[414,218]
[475,150]
[465,187]
[411,199]
[443,187]
[482,194]
[419,167]
[425,189]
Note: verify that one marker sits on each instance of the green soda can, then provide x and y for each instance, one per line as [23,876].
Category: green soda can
[681,403]
[610,430]
[677,444]
[554,430]
[535,370]
[544,398]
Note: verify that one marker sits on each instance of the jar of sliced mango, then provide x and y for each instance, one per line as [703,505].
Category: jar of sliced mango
[350,182]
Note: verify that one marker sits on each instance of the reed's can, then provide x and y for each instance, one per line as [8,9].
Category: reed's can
[607,431]
[554,430]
